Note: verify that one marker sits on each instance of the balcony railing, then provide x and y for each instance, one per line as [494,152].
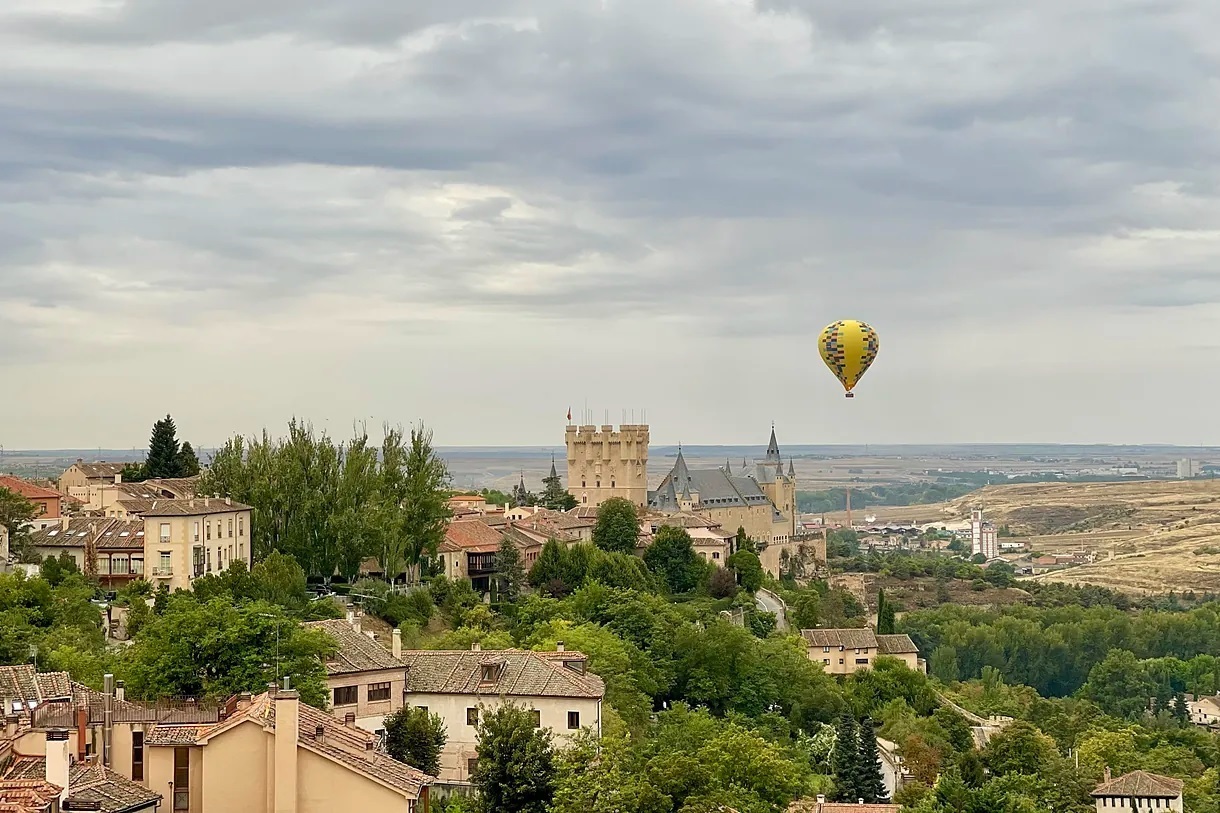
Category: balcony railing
[162,572]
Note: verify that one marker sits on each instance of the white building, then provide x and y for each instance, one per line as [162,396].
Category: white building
[1187,469]
[1138,790]
[984,538]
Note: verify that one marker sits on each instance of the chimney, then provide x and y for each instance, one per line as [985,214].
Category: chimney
[356,625]
[58,761]
[107,719]
[244,700]
[118,479]
[396,644]
[287,722]
[207,502]
[476,647]
[120,691]
[1107,774]
[860,800]
[11,720]
[228,500]
[63,523]
[821,799]
[559,646]
[319,733]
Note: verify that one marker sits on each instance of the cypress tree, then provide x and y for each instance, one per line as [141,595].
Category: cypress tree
[870,783]
[1181,712]
[885,615]
[845,759]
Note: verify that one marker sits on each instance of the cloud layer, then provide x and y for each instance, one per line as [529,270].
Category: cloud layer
[479,212]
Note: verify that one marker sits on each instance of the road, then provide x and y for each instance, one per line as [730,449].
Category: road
[771,603]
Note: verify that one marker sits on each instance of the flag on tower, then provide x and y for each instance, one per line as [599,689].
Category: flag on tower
[569,414]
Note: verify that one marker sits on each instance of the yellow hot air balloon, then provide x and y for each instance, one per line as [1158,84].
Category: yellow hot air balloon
[848,348]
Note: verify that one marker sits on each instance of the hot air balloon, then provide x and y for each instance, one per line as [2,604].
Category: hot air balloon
[848,348]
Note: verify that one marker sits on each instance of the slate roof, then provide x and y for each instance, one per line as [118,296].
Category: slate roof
[522,674]
[352,747]
[27,490]
[900,644]
[357,652]
[195,507]
[109,533]
[91,782]
[1141,784]
[846,638]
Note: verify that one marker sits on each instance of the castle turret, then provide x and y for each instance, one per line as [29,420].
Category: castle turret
[604,462]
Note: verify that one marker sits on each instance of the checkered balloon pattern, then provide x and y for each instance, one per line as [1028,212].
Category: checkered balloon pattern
[849,348]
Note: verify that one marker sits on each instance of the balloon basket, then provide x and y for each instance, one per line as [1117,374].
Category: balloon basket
[850,395]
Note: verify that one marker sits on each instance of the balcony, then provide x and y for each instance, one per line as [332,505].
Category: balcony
[163,572]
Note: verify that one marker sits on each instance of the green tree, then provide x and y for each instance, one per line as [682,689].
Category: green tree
[1120,685]
[943,663]
[748,569]
[870,783]
[618,526]
[516,768]
[278,579]
[885,615]
[672,557]
[1020,748]
[188,461]
[16,512]
[722,583]
[845,760]
[417,738]
[1180,711]
[554,495]
[163,450]
[548,570]
[510,571]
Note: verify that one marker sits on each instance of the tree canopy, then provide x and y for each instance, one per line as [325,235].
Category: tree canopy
[618,526]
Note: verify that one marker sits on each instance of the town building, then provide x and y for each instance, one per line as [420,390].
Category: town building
[457,685]
[984,538]
[367,682]
[820,805]
[187,539]
[604,462]
[81,477]
[1204,711]
[47,502]
[475,503]
[112,550]
[469,552]
[844,651]
[1187,468]
[1138,790]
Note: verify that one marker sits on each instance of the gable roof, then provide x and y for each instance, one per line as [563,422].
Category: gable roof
[23,683]
[1143,784]
[846,638]
[472,536]
[107,533]
[357,652]
[90,782]
[349,746]
[27,490]
[196,507]
[522,673]
[99,470]
[27,795]
[899,644]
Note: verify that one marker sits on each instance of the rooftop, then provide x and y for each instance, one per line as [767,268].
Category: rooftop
[198,506]
[107,533]
[357,652]
[1141,784]
[100,470]
[846,638]
[521,673]
[900,644]
[471,535]
[89,782]
[27,490]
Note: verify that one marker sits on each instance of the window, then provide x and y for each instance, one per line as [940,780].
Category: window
[715,554]
[137,566]
[218,529]
[120,564]
[163,564]
[840,661]
[103,565]
[825,649]
[862,660]
[137,756]
[472,716]
[196,533]
[573,720]
[379,692]
[241,526]
[472,765]
[826,661]
[209,531]
[489,672]
[424,708]
[241,550]
[209,560]
[230,527]
[42,508]
[347,695]
[164,533]
[537,715]
[182,778]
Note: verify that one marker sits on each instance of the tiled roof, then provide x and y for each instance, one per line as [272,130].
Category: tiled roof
[195,507]
[91,782]
[27,490]
[523,674]
[22,683]
[1141,784]
[26,795]
[472,536]
[357,652]
[100,471]
[109,533]
[900,644]
[346,745]
[846,638]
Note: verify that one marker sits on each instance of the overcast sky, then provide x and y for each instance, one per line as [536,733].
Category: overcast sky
[481,212]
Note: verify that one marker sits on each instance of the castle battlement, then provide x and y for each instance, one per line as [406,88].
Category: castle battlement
[605,462]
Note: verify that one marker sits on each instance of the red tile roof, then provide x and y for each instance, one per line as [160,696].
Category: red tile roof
[472,536]
[1141,784]
[27,490]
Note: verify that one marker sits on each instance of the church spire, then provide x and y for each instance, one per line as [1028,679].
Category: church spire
[681,473]
[554,474]
[791,470]
[773,448]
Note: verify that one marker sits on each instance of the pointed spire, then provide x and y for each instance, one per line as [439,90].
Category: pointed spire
[681,473]
[728,466]
[554,474]
[791,470]
[772,448]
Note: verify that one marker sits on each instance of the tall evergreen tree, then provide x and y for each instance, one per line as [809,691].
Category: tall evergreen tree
[554,495]
[885,615]
[1181,712]
[870,782]
[188,461]
[510,570]
[845,759]
[163,450]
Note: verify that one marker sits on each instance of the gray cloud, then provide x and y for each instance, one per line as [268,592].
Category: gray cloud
[607,188]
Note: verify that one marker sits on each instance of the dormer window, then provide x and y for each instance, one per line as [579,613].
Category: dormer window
[490,672]
[575,666]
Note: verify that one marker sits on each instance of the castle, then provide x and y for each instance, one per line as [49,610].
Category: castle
[761,498]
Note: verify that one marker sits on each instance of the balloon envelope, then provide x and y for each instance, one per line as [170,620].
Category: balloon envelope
[848,347]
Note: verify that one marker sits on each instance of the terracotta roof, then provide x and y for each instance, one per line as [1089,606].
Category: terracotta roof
[346,745]
[522,674]
[27,490]
[26,795]
[195,507]
[357,652]
[584,512]
[22,683]
[108,532]
[472,536]
[91,782]
[900,644]
[468,498]
[100,471]
[846,638]
[814,806]
[1142,784]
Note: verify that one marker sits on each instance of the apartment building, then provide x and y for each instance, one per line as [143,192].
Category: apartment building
[458,685]
[186,539]
[843,651]
[110,549]
[366,681]
[46,502]
[81,476]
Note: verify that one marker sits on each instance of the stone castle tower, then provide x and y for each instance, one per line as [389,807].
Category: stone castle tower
[779,487]
[605,463]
